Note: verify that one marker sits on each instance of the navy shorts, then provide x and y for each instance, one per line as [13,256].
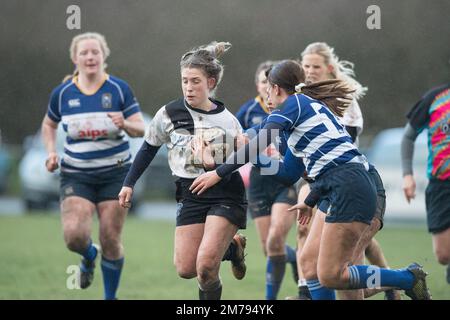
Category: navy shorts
[226,199]
[264,191]
[324,203]
[93,186]
[437,198]
[349,194]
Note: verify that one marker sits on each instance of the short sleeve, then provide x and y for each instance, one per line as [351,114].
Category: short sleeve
[130,104]
[287,115]
[419,115]
[158,130]
[53,110]
[353,117]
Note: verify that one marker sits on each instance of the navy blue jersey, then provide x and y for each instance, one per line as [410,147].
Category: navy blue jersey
[93,142]
[315,134]
[252,113]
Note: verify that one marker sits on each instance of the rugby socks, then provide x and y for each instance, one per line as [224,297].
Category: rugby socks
[90,253]
[319,292]
[230,253]
[291,257]
[373,276]
[213,292]
[276,266]
[111,276]
[303,291]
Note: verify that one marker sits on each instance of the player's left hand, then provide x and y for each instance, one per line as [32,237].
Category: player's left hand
[204,182]
[118,119]
[304,213]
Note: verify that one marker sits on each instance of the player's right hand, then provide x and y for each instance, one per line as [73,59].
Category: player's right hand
[52,162]
[304,213]
[409,187]
[125,195]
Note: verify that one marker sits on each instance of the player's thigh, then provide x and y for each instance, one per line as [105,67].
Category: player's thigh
[262,225]
[111,218]
[76,215]
[337,248]
[310,252]
[441,245]
[281,220]
[186,244]
[217,236]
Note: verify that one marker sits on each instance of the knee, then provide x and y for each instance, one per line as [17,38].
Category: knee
[207,271]
[111,245]
[302,231]
[443,256]
[185,272]
[275,245]
[75,239]
[331,278]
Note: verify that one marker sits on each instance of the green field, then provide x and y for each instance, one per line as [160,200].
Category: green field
[34,261]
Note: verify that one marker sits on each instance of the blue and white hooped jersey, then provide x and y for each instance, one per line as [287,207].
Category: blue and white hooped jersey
[93,142]
[253,114]
[315,134]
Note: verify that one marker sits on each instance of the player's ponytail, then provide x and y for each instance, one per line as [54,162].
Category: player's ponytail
[206,58]
[71,76]
[289,75]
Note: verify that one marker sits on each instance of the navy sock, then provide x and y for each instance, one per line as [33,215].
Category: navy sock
[319,292]
[90,253]
[111,276]
[229,254]
[291,255]
[276,266]
[375,277]
[213,293]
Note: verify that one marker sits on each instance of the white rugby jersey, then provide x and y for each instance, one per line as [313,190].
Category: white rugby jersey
[315,134]
[353,118]
[175,125]
[93,142]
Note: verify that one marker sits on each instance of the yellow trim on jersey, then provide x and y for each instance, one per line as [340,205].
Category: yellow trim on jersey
[89,93]
[262,104]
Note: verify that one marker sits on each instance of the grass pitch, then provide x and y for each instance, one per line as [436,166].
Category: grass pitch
[34,262]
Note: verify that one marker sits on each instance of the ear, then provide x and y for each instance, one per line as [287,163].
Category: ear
[330,69]
[211,83]
[277,90]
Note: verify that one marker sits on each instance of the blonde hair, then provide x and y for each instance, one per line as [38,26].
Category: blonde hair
[342,69]
[289,75]
[206,58]
[86,36]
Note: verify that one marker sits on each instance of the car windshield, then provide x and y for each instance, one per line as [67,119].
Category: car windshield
[386,149]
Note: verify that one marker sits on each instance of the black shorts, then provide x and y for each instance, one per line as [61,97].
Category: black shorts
[226,199]
[93,186]
[349,194]
[437,199]
[264,191]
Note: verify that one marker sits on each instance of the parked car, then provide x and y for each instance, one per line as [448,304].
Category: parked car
[5,168]
[40,188]
[385,155]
